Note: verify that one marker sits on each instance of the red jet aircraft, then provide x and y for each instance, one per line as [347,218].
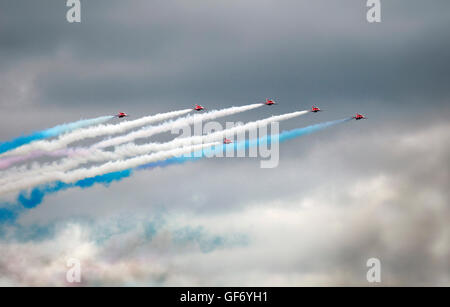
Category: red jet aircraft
[121,115]
[315,109]
[269,102]
[227,141]
[198,108]
[359,116]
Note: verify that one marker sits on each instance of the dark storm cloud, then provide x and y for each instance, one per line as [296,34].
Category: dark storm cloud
[375,188]
[234,51]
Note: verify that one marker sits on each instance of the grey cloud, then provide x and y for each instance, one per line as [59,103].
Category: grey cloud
[320,51]
[314,220]
[373,188]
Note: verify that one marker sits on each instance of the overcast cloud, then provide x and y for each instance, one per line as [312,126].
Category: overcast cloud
[374,188]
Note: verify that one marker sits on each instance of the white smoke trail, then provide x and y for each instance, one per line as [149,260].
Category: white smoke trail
[218,135]
[79,174]
[176,124]
[131,149]
[11,145]
[145,132]
[92,132]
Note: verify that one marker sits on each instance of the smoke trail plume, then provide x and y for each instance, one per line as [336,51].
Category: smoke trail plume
[129,150]
[79,174]
[176,124]
[8,161]
[38,149]
[92,132]
[52,132]
[38,193]
[282,137]
[36,196]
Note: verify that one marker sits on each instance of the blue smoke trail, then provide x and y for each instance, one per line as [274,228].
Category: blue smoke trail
[37,194]
[7,215]
[48,133]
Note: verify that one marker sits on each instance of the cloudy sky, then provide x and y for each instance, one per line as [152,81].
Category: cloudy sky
[376,188]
